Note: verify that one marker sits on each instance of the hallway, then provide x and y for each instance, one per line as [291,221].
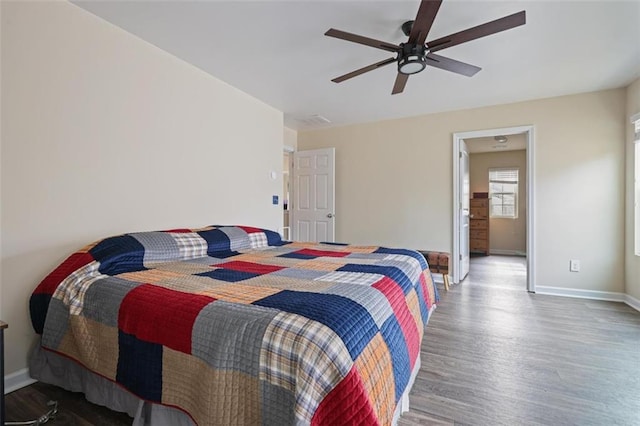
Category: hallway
[506,272]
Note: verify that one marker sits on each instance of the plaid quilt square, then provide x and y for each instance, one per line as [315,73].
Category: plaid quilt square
[311,376]
[191,245]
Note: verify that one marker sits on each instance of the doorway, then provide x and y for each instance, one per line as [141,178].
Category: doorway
[500,189]
[287,169]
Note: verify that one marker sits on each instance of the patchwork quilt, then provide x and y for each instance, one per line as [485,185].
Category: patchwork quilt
[232,325]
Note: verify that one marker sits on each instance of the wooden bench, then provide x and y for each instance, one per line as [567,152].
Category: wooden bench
[438,264]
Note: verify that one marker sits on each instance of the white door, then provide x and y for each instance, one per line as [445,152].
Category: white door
[464,209]
[314,192]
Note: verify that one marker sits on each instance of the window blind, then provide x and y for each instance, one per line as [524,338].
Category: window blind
[503,175]
[503,193]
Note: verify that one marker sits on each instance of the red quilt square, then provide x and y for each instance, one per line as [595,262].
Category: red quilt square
[347,404]
[254,268]
[323,253]
[73,263]
[394,294]
[160,315]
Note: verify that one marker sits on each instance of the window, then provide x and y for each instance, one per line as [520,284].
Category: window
[635,120]
[503,193]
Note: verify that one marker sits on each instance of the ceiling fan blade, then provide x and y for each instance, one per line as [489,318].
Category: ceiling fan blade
[452,65]
[363,70]
[424,20]
[483,30]
[362,40]
[401,81]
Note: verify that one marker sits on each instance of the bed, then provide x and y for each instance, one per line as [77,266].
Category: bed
[232,325]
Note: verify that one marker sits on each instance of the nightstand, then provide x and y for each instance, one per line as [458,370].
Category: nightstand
[3,325]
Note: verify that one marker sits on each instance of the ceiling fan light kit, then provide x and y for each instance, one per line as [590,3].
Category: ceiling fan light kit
[413,56]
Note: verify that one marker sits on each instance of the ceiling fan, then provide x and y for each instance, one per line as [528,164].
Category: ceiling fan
[414,55]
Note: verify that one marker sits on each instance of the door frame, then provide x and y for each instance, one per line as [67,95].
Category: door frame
[290,150]
[529,132]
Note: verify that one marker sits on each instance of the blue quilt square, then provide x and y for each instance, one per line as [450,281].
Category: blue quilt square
[412,253]
[394,338]
[347,318]
[224,254]
[424,312]
[228,275]
[38,306]
[140,367]
[273,238]
[119,254]
[294,255]
[217,241]
[392,272]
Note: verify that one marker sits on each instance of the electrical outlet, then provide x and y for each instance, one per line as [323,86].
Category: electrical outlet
[574,265]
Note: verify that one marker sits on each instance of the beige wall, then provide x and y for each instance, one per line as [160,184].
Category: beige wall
[1,44]
[104,133]
[632,262]
[505,235]
[394,182]
[290,138]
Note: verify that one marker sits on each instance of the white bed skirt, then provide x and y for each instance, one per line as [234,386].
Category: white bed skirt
[48,367]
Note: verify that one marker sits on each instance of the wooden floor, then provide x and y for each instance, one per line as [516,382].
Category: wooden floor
[493,354]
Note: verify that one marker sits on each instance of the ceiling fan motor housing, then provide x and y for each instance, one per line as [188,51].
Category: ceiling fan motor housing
[412,58]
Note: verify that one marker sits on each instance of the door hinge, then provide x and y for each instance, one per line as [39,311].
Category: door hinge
[460,257]
[460,154]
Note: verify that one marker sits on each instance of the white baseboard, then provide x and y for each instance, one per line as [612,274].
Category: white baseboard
[17,380]
[632,301]
[590,294]
[581,294]
[437,278]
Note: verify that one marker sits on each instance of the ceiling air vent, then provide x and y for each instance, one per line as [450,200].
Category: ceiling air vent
[313,120]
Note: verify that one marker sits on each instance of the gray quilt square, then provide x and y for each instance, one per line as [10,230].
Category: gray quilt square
[55,327]
[229,335]
[372,299]
[303,274]
[158,246]
[103,299]
[238,237]
[277,405]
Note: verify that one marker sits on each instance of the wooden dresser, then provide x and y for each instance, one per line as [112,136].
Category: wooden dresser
[479,226]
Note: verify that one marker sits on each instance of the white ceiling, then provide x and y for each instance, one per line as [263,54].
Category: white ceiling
[276,51]
[489,144]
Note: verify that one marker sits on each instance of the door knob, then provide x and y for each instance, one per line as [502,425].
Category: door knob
[330,215]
